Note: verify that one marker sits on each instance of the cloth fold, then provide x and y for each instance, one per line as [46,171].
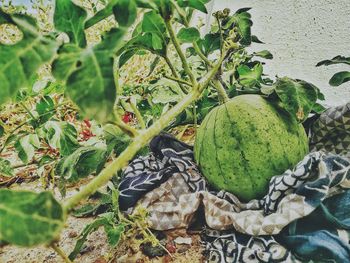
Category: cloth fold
[169,185]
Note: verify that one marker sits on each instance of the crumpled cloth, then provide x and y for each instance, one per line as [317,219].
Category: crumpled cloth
[169,185]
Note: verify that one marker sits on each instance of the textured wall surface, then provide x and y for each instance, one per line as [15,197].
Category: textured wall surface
[300,33]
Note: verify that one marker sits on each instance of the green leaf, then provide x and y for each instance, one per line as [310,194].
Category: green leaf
[335,60]
[19,62]
[198,4]
[264,54]
[114,233]
[250,77]
[70,18]
[28,218]
[153,23]
[84,234]
[210,43]
[5,169]
[297,97]
[116,139]
[101,14]
[188,35]
[90,80]
[244,24]
[340,78]
[61,135]
[81,163]
[126,56]
[2,130]
[66,62]
[45,108]
[125,12]
[25,147]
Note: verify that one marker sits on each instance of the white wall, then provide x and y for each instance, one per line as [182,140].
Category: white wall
[300,33]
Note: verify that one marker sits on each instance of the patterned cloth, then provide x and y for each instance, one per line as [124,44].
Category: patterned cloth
[169,184]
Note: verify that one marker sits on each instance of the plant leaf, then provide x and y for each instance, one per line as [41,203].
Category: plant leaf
[81,163]
[125,12]
[198,4]
[244,23]
[2,130]
[19,62]
[297,97]
[92,85]
[250,77]
[114,233]
[84,234]
[335,60]
[210,43]
[70,18]
[25,147]
[264,54]
[188,35]
[5,169]
[61,135]
[28,218]
[340,78]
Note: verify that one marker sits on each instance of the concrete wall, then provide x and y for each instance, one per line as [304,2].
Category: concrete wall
[300,33]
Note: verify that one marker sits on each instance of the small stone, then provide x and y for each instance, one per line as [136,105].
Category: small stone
[183,240]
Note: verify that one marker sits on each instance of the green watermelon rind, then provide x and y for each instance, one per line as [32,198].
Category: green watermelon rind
[241,144]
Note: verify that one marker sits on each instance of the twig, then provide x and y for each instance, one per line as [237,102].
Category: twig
[221,91]
[137,114]
[180,53]
[178,80]
[132,132]
[173,71]
[60,252]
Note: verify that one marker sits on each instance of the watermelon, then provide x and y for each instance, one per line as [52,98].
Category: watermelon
[241,144]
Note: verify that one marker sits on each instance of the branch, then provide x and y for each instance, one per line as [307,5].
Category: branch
[195,45]
[132,132]
[173,71]
[179,52]
[221,91]
[139,141]
[137,114]
[178,80]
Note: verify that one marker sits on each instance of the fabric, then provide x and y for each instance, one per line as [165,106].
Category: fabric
[169,185]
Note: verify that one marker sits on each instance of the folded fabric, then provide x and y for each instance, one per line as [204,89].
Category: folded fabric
[169,185]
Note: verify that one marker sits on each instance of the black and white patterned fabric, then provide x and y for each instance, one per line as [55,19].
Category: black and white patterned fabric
[168,183]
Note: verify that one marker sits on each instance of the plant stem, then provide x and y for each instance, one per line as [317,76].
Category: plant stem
[138,142]
[178,80]
[195,45]
[60,252]
[221,91]
[138,115]
[173,71]
[141,140]
[179,52]
[132,132]
[27,110]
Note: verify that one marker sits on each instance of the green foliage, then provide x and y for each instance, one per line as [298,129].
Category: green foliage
[70,18]
[188,35]
[29,219]
[62,136]
[81,163]
[19,62]
[26,145]
[297,97]
[125,12]
[250,77]
[6,168]
[340,77]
